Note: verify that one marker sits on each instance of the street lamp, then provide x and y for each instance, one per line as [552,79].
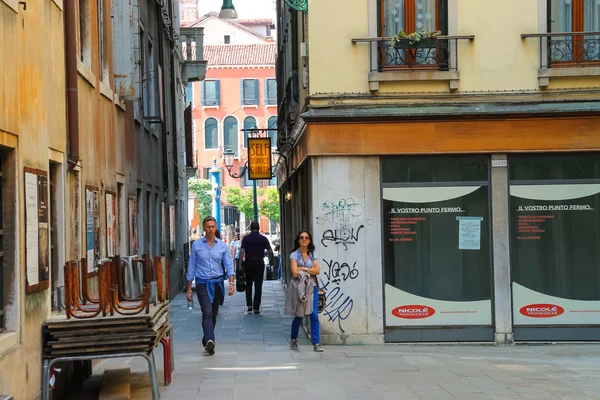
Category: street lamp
[228,10]
[229,156]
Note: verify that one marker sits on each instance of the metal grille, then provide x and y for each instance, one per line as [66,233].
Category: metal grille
[2,288]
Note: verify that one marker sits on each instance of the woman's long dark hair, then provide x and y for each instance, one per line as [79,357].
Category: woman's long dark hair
[311,246]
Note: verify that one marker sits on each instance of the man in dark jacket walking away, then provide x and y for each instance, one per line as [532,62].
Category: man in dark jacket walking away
[253,251]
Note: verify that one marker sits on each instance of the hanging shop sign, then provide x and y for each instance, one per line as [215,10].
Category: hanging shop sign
[259,158]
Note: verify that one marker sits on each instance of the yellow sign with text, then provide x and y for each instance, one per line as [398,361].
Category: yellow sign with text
[259,158]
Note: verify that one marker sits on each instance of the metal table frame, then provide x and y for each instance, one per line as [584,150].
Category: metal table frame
[149,357]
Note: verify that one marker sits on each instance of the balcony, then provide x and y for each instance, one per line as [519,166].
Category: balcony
[194,66]
[566,54]
[426,60]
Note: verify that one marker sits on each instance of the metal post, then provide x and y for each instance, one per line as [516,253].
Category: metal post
[254,201]
[215,175]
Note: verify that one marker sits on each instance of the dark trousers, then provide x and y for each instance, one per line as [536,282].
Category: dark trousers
[209,311]
[254,274]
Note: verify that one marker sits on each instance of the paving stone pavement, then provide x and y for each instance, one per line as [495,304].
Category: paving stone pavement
[253,361]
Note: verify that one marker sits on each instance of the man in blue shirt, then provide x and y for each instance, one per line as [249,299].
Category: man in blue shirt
[209,262]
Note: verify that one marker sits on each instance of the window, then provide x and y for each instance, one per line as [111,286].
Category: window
[437,238]
[249,123]
[272,126]
[189,94]
[227,39]
[85,33]
[270,92]
[230,134]
[554,231]
[574,16]
[102,42]
[249,92]
[211,93]
[151,80]
[211,133]
[412,16]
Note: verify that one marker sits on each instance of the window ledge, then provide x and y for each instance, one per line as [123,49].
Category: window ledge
[270,105]
[452,77]
[106,91]
[250,106]
[545,74]
[211,107]
[8,341]
[119,102]
[86,74]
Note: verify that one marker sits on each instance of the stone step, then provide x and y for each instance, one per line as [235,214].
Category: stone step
[116,384]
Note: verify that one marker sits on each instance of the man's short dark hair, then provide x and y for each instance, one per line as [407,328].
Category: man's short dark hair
[208,219]
[254,226]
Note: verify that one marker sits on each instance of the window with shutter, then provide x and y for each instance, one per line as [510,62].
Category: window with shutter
[230,134]
[249,123]
[211,133]
[210,93]
[272,126]
[249,92]
[270,92]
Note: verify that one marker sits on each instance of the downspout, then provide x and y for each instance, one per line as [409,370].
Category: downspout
[71,70]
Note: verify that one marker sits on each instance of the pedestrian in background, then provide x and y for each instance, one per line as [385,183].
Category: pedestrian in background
[303,291]
[252,253]
[210,264]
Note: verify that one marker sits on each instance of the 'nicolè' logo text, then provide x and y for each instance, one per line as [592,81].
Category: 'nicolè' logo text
[542,310]
[413,312]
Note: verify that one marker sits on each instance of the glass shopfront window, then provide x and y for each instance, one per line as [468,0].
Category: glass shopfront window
[555,236]
[437,241]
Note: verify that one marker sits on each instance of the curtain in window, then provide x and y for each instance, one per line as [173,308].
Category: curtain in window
[211,134]
[561,20]
[591,23]
[425,15]
[230,133]
[249,123]
[393,17]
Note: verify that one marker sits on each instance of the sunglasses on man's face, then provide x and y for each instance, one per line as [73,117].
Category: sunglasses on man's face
[304,238]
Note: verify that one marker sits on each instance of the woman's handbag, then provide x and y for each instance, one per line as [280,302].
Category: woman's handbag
[322,300]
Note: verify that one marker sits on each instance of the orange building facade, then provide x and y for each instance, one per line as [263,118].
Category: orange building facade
[239,93]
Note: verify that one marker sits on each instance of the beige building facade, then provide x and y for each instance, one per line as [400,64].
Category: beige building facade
[92,157]
[450,181]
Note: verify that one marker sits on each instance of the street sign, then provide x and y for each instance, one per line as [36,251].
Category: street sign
[259,158]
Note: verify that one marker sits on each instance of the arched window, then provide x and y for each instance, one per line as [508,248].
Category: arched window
[211,133]
[272,126]
[249,123]
[230,134]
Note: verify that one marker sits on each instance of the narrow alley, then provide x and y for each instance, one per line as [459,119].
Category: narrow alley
[253,361]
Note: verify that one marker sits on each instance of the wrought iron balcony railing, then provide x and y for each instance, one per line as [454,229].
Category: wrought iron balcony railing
[440,54]
[562,49]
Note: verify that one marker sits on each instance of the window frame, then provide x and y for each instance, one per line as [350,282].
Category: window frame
[577,25]
[216,103]
[237,137]
[270,101]
[442,23]
[274,137]
[255,101]
[217,133]
[246,118]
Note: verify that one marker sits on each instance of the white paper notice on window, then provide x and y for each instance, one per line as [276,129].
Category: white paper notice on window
[31,228]
[469,233]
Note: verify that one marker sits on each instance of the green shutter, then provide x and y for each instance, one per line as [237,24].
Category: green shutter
[266,92]
[218,92]
[256,102]
[202,97]
[242,92]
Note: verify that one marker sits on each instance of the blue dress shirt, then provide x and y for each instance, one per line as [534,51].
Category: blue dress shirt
[207,262]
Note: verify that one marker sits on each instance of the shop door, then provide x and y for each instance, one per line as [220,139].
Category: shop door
[437,255]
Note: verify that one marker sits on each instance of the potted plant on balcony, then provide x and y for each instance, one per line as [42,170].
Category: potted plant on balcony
[422,39]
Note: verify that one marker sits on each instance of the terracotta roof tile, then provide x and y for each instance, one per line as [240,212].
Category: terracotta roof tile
[255,21]
[241,54]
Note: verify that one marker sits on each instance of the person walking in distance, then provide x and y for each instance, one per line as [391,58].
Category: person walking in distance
[210,264]
[253,249]
[304,264]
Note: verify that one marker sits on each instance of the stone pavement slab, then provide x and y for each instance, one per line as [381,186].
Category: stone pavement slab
[253,361]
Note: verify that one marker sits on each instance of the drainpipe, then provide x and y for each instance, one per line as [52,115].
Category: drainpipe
[71,53]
